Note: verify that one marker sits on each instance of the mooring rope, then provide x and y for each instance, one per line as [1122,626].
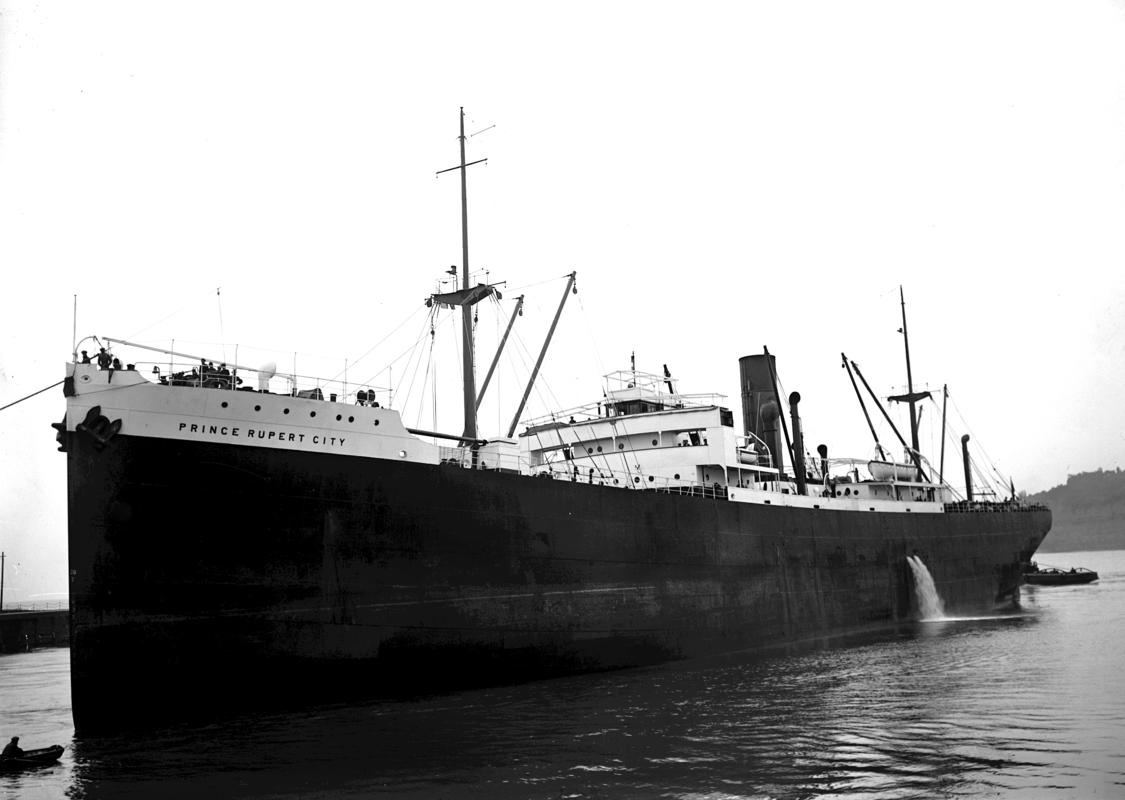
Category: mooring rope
[45,388]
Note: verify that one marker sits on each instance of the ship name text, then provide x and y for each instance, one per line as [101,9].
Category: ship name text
[260,433]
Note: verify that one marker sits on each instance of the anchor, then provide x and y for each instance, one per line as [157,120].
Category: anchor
[98,427]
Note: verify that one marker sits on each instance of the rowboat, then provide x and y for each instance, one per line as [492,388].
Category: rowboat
[32,758]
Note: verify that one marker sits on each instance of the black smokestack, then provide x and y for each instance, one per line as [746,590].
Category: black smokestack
[757,391]
[798,444]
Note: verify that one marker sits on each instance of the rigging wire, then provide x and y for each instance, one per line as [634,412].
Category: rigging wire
[593,339]
[979,463]
[28,397]
[431,368]
[976,444]
[410,353]
[397,328]
[514,289]
[413,378]
[165,318]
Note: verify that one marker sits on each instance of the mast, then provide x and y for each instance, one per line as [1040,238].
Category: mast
[470,389]
[467,311]
[909,377]
[941,463]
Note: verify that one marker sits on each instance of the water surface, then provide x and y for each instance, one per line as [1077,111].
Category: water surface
[1025,705]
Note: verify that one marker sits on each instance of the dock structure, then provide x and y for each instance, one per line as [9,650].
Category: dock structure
[22,630]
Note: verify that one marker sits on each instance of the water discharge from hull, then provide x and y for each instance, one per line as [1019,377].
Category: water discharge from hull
[930,606]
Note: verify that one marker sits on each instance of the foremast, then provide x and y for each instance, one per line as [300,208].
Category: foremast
[464,297]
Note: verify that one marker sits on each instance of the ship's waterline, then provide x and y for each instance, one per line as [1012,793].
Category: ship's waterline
[344,556]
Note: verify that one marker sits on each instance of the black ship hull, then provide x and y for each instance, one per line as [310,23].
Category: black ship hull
[208,577]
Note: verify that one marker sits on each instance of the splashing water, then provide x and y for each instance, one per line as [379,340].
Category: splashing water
[929,601]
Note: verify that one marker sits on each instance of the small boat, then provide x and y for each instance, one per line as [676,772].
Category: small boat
[32,758]
[1057,576]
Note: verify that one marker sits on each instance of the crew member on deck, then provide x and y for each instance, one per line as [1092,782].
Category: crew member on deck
[12,749]
[85,357]
[104,359]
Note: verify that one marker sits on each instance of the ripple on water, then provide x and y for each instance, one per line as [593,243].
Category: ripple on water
[1031,705]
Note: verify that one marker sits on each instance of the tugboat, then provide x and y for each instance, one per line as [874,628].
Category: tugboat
[1057,576]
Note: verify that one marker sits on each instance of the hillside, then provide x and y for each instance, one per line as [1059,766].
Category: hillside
[1089,512]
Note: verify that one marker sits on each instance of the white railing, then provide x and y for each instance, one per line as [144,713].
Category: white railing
[595,411]
[562,470]
[476,458]
[217,375]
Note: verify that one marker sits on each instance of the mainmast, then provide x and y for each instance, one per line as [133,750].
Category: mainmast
[905,339]
[467,367]
[467,311]
[911,397]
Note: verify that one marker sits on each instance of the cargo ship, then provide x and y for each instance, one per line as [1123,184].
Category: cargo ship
[233,547]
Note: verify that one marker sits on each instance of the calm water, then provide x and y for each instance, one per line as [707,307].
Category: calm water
[1028,706]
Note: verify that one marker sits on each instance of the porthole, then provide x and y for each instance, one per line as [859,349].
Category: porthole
[224,404]
[339,417]
[285,411]
[402,454]
[351,419]
[312,413]
[590,450]
[257,408]
[376,423]
[676,476]
[620,446]
[599,448]
[651,479]
[654,443]
[636,480]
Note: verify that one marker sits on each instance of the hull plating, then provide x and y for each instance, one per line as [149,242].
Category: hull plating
[207,577]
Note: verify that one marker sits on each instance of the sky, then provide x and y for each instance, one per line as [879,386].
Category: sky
[258,180]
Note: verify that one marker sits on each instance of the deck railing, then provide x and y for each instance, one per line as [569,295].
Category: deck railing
[218,376]
[465,458]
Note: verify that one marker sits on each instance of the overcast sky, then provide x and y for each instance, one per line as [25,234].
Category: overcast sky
[722,176]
